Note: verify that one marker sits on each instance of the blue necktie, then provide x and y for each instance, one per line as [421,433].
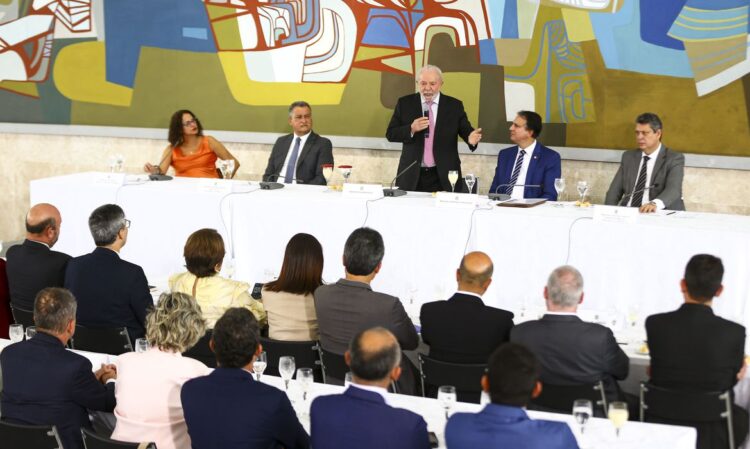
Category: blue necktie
[516,171]
[289,177]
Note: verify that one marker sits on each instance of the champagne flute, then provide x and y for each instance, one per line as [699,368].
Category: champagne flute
[259,365]
[346,171]
[286,370]
[447,397]
[141,345]
[327,172]
[582,411]
[618,414]
[305,379]
[559,188]
[470,180]
[453,178]
[16,332]
[583,187]
[230,168]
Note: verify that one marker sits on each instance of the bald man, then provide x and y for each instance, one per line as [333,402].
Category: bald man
[32,265]
[463,329]
[361,416]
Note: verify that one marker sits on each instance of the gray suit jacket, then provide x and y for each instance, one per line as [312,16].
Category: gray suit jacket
[316,152]
[666,179]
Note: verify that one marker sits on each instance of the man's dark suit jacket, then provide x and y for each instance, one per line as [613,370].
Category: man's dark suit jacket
[228,409]
[544,167]
[572,351]
[693,349]
[316,152]
[111,292]
[32,267]
[463,329]
[43,383]
[6,319]
[666,179]
[361,419]
[451,123]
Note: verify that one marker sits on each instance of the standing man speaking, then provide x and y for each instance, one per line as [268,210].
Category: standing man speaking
[428,124]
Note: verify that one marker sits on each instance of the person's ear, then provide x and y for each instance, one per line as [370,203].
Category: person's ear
[258,350]
[348,358]
[396,373]
[377,269]
[580,301]
[485,382]
[537,390]
[719,290]
[546,293]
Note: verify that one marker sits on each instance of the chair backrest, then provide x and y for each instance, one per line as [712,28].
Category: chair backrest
[28,437]
[202,352]
[464,376]
[112,340]
[305,355]
[334,367]
[22,316]
[560,398]
[93,441]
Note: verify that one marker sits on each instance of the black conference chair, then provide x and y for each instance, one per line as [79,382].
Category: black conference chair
[93,441]
[689,408]
[334,367]
[14,436]
[113,340]
[22,316]
[202,352]
[465,377]
[305,355]
[560,398]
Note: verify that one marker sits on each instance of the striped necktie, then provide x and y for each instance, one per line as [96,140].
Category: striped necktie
[516,171]
[640,184]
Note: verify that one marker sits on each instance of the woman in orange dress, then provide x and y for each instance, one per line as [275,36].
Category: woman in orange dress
[190,152]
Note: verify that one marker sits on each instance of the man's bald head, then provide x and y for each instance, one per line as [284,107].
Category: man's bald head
[373,354]
[43,223]
[475,272]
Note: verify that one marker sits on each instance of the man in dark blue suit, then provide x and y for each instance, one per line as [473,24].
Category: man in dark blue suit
[228,409]
[45,384]
[511,381]
[111,292]
[361,417]
[529,163]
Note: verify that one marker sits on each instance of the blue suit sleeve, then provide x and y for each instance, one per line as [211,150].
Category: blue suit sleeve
[552,170]
[497,180]
[290,432]
[90,393]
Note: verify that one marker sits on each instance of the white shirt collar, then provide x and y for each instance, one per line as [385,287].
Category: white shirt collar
[379,390]
[529,149]
[549,312]
[652,156]
[41,243]
[464,292]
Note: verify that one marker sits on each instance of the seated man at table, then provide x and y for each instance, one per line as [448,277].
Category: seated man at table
[350,306]
[695,350]
[512,379]
[463,329]
[299,157]
[32,265]
[229,409]
[361,417]
[570,350]
[111,292]
[45,384]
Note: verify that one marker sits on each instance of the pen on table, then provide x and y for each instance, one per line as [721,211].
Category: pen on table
[673,212]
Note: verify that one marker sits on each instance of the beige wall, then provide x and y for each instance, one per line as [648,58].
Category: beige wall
[24,157]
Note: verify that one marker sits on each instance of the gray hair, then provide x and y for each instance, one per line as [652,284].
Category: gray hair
[565,286]
[54,308]
[299,104]
[427,68]
[650,119]
[105,222]
[176,323]
[363,251]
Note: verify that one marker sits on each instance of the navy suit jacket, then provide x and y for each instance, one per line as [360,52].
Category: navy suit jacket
[111,292]
[505,426]
[45,384]
[361,419]
[228,409]
[32,267]
[544,167]
[316,152]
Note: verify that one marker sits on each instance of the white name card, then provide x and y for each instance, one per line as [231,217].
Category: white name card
[115,179]
[225,186]
[615,214]
[366,191]
[448,199]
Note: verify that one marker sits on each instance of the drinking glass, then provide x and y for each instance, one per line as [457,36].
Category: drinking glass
[116,162]
[348,379]
[327,171]
[30,332]
[559,188]
[582,411]
[226,167]
[447,397]
[305,379]
[470,180]
[286,369]
[618,414]
[583,188]
[346,171]
[453,178]
[16,332]
[259,365]
[141,345]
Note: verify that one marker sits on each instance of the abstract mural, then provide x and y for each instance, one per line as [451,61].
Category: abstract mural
[587,66]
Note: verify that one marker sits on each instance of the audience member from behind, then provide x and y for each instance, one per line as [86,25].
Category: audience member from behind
[463,329]
[6,319]
[204,254]
[228,409]
[32,265]
[350,306]
[45,384]
[361,416]
[512,379]
[570,350]
[289,299]
[111,292]
[148,386]
[692,349]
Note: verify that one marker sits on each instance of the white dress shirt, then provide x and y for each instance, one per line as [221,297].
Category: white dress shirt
[303,139]
[517,193]
[649,171]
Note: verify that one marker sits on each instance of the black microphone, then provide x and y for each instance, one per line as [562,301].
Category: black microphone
[426,113]
[160,176]
[630,195]
[397,192]
[504,196]
[272,185]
